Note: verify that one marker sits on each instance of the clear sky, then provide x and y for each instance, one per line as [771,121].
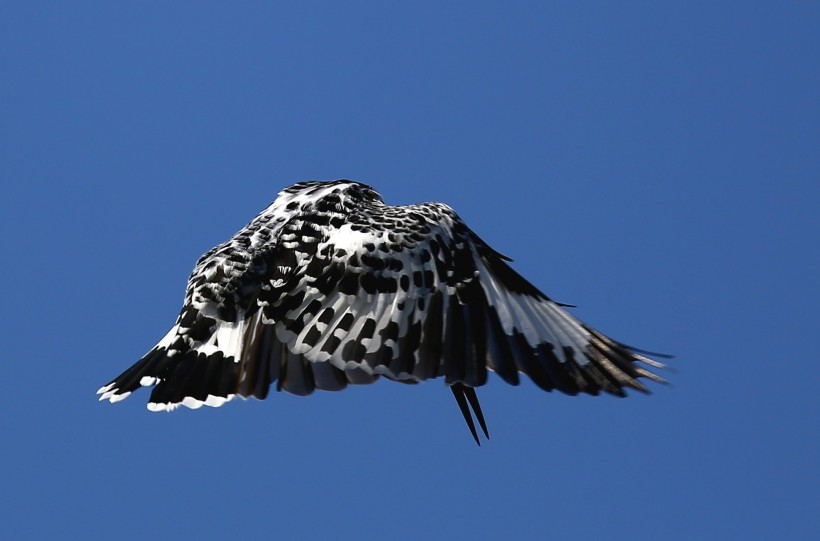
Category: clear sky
[654,163]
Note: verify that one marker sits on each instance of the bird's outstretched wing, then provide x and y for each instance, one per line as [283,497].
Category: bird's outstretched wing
[330,298]
[445,305]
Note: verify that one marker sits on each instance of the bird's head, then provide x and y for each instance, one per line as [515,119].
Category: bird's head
[333,193]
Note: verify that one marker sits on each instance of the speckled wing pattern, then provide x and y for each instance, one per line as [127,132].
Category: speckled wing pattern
[329,286]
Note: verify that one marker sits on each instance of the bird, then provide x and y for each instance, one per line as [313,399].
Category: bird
[329,286]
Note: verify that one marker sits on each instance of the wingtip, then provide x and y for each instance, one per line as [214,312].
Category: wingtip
[112,395]
[637,351]
[105,388]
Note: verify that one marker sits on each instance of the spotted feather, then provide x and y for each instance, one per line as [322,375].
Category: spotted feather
[329,286]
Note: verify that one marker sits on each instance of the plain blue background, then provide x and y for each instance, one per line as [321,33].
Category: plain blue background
[654,163]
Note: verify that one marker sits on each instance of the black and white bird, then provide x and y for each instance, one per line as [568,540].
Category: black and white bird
[329,286]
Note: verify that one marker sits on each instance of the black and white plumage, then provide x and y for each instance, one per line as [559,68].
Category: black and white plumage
[329,286]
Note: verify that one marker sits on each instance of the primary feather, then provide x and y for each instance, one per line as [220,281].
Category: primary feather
[329,286]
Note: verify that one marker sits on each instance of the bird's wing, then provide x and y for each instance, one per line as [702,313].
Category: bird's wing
[330,305]
[532,334]
[443,304]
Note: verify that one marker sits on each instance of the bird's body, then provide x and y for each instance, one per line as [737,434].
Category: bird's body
[329,286]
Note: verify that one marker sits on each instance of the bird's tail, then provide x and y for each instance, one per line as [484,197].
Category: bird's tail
[467,398]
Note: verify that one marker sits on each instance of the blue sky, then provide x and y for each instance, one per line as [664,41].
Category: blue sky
[657,165]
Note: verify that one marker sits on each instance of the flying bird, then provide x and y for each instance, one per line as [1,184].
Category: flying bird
[329,286]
